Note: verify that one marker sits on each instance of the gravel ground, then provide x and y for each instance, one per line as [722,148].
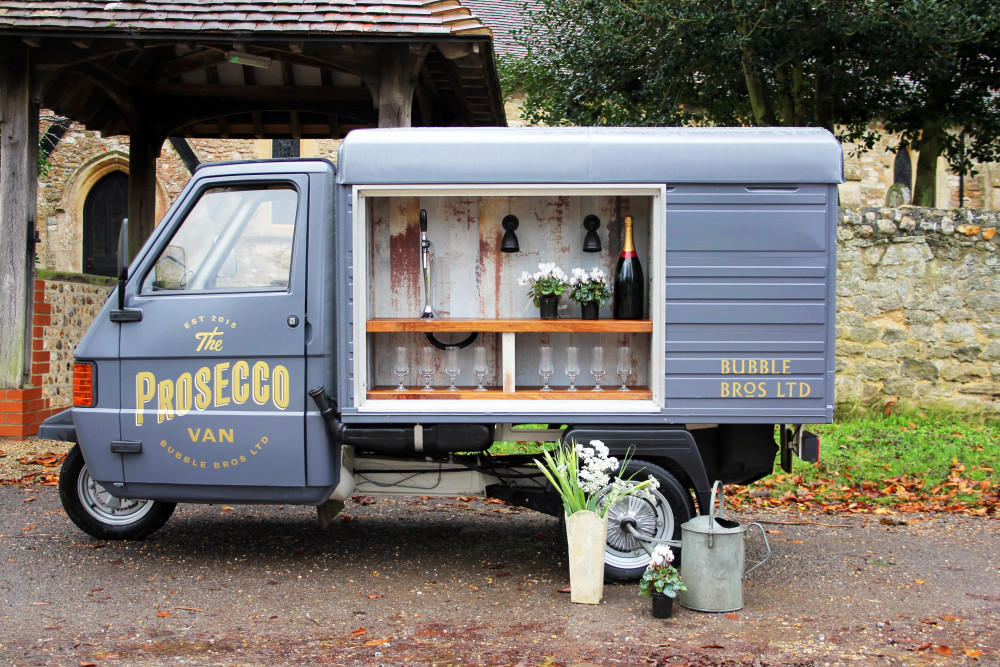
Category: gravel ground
[446,581]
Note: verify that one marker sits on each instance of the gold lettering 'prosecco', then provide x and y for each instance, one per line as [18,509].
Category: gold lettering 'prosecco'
[212,386]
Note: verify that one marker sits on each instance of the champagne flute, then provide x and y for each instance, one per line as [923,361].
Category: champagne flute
[597,366]
[572,366]
[427,366]
[451,367]
[624,365]
[479,366]
[545,368]
[402,366]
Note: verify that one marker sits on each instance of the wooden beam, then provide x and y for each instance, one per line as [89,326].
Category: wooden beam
[290,95]
[191,62]
[174,113]
[144,148]
[397,79]
[18,169]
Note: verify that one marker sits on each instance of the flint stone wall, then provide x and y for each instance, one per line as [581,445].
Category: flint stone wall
[918,308]
[74,302]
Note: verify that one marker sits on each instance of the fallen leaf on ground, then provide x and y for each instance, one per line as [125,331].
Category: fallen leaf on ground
[732,616]
[924,646]
[376,642]
[973,653]
[374,596]
[358,632]
[713,646]
[564,590]
[942,650]
[30,500]
[163,614]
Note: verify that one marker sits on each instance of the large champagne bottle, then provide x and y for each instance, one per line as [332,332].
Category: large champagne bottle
[629,284]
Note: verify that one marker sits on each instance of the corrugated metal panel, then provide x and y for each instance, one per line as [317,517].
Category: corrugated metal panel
[748,301]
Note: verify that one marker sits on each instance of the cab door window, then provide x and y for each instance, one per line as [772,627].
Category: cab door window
[234,239]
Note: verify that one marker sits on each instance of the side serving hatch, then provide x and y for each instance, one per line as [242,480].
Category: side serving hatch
[213,373]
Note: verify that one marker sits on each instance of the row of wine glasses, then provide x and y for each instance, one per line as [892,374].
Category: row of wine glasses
[401,367]
[546,368]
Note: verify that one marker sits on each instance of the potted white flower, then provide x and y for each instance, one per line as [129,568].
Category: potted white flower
[590,482]
[661,581]
[545,286]
[589,289]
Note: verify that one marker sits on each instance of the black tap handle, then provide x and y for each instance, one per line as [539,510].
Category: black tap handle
[423,221]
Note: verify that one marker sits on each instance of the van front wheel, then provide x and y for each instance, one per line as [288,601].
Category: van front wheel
[100,514]
[656,518]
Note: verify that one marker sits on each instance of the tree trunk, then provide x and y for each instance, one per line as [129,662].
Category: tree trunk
[760,101]
[930,147]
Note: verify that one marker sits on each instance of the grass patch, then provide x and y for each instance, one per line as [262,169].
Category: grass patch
[910,462]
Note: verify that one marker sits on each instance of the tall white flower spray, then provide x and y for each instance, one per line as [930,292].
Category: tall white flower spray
[580,473]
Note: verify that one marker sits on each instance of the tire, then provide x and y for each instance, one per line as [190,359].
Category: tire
[624,557]
[101,515]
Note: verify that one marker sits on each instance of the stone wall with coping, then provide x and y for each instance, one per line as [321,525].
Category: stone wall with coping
[918,308]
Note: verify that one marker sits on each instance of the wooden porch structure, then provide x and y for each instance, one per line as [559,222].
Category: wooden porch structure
[216,68]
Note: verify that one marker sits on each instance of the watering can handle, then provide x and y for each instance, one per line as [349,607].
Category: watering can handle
[717,492]
[766,544]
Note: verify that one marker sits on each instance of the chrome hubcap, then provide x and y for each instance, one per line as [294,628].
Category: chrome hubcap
[653,519]
[105,507]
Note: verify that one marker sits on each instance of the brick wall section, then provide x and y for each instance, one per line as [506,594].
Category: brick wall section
[22,410]
[63,310]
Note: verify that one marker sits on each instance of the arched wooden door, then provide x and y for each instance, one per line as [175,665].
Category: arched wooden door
[103,210]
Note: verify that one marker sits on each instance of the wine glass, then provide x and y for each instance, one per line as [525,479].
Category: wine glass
[451,367]
[572,366]
[624,365]
[545,368]
[402,366]
[427,366]
[479,366]
[597,366]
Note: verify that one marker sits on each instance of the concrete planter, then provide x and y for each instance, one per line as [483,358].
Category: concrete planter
[586,534]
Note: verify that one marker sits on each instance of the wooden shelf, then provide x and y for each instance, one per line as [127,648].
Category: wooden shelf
[519,325]
[610,393]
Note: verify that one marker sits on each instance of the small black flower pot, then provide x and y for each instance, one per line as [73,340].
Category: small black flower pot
[589,310]
[548,306]
[663,606]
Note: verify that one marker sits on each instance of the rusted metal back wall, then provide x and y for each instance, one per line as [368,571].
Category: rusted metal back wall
[471,278]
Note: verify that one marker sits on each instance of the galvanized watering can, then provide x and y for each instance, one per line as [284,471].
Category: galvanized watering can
[712,560]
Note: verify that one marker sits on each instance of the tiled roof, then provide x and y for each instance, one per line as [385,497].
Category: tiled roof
[324,17]
[504,17]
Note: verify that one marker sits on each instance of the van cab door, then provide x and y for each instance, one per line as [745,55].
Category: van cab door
[213,374]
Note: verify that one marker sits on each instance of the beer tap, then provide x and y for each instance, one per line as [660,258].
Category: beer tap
[425,266]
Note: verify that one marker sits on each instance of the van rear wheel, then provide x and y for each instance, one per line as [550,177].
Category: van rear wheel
[661,518]
[98,513]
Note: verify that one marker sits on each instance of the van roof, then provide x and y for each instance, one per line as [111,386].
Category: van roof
[590,155]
